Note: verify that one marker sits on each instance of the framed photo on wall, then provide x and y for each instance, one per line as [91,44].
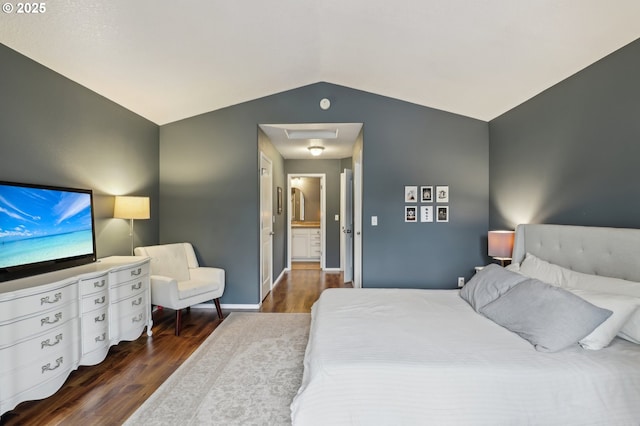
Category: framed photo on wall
[410,213]
[442,214]
[442,194]
[426,213]
[426,194]
[410,194]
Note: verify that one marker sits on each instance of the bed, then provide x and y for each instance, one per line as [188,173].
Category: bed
[416,357]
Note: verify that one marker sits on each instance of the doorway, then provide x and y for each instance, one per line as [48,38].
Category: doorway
[306,220]
[338,146]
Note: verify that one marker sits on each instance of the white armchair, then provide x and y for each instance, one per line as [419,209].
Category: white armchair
[177,281]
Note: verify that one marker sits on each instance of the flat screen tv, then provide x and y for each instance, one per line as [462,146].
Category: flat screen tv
[44,228]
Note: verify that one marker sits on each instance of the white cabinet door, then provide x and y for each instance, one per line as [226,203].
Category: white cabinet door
[300,244]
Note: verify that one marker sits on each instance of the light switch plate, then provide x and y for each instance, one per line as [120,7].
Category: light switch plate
[374,220]
[337,218]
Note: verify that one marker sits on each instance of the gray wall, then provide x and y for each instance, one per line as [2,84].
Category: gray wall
[209,185]
[54,131]
[570,155]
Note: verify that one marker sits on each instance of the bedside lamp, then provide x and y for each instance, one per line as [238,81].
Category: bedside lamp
[131,208]
[501,245]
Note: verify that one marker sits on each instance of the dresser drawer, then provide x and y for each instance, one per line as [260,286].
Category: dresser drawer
[59,362]
[95,322]
[94,340]
[95,301]
[44,345]
[40,302]
[129,326]
[93,285]
[131,273]
[43,322]
[130,305]
[129,289]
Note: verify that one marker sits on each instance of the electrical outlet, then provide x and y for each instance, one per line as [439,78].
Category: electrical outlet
[460,281]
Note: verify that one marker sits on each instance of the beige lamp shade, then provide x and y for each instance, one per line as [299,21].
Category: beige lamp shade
[501,244]
[127,207]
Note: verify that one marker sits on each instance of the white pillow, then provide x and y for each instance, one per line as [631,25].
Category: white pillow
[621,306]
[542,270]
[631,329]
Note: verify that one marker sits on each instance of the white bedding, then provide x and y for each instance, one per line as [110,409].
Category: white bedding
[459,368]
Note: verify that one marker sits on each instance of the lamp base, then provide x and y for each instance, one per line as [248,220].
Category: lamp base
[504,261]
[131,234]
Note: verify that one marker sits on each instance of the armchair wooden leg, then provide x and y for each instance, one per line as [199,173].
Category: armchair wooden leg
[217,302]
[178,321]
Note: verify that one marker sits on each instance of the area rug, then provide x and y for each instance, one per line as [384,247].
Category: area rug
[246,373]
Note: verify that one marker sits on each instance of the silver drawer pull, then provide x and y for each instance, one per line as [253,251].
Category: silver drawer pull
[46,320]
[137,319]
[99,301]
[100,318]
[136,273]
[57,298]
[47,342]
[101,338]
[48,366]
[99,284]
[137,302]
[136,286]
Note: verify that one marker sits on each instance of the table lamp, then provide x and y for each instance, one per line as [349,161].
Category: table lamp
[501,245]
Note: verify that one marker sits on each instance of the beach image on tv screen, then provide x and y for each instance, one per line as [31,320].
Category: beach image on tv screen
[38,225]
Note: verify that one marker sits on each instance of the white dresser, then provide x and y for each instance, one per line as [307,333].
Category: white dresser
[52,323]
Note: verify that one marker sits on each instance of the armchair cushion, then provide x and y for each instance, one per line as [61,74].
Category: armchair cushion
[190,288]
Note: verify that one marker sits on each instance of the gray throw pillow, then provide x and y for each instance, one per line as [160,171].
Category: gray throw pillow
[549,317]
[488,284]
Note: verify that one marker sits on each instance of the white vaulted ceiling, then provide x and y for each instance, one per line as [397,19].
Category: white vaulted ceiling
[168,60]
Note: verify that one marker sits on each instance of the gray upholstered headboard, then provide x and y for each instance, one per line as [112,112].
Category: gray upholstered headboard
[611,252]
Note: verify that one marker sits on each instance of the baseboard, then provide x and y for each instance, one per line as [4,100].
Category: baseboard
[277,281]
[332,270]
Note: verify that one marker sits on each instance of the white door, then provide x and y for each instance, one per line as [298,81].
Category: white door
[346,224]
[357,220]
[266,225]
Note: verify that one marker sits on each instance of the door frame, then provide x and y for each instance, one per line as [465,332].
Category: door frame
[323,215]
[357,218]
[346,224]
[262,157]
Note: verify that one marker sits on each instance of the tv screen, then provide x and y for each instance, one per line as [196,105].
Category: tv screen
[44,228]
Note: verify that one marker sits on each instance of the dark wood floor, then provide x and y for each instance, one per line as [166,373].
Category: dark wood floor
[108,393]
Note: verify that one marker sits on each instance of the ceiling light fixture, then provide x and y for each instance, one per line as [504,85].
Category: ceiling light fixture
[316,150]
[312,134]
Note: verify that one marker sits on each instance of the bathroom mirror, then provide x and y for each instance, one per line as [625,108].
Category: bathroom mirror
[297,205]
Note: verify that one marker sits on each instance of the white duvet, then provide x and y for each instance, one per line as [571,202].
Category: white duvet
[425,357]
